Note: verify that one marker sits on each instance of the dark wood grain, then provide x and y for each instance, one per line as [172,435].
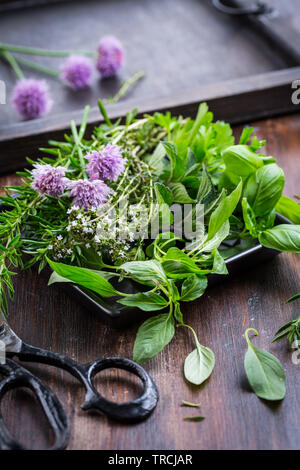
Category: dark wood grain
[235,417]
[204,56]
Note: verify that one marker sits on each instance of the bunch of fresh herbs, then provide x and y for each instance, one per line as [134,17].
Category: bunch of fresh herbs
[170,160]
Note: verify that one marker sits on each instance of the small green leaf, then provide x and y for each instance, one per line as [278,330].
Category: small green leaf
[153,335]
[177,264]
[199,364]
[194,418]
[147,301]
[224,210]
[145,270]
[264,371]
[193,288]
[191,405]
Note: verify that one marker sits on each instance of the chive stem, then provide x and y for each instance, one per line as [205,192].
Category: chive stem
[39,51]
[38,67]
[13,63]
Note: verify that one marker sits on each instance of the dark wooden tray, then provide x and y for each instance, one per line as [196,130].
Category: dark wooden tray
[189,51]
[120,316]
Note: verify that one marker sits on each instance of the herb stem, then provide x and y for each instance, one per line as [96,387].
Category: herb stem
[39,51]
[13,63]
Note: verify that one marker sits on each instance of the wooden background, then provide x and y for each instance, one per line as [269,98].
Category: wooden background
[235,417]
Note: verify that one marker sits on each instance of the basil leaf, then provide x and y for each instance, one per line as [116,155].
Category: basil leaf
[217,239]
[264,189]
[282,238]
[289,209]
[145,270]
[153,335]
[219,266]
[199,364]
[241,160]
[177,264]
[85,278]
[193,288]
[264,371]
[147,301]
[224,211]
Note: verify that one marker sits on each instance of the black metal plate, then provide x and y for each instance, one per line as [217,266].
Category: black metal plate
[119,316]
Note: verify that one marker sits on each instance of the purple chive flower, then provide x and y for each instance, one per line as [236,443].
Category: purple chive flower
[77,72]
[31,98]
[111,56]
[106,164]
[88,193]
[48,179]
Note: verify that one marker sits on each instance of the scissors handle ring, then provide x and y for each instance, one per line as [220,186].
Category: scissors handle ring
[136,410]
[17,377]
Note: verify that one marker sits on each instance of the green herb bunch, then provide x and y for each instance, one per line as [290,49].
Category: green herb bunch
[170,160]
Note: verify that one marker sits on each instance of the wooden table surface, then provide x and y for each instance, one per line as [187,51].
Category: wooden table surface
[235,417]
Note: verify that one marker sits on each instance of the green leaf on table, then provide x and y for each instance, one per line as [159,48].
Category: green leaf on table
[199,364]
[143,271]
[84,277]
[193,288]
[289,209]
[264,371]
[195,419]
[224,210]
[264,188]
[282,238]
[153,335]
[146,301]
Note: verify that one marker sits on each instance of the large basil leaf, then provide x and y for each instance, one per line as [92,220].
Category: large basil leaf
[193,288]
[289,209]
[85,278]
[199,364]
[153,335]
[143,271]
[282,238]
[224,211]
[264,189]
[264,371]
[240,160]
[147,301]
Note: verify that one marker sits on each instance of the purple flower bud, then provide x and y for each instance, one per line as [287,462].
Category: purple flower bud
[31,98]
[106,164]
[111,56]
[88,193]
[48,179]
[77,72]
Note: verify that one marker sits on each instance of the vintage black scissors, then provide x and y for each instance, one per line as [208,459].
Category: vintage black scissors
[17,376]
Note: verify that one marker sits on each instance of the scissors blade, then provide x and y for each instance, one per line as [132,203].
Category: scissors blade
[13,344]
